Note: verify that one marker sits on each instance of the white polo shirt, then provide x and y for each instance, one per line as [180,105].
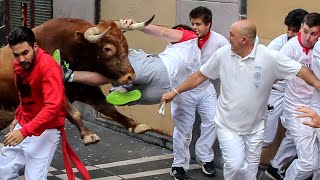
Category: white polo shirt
[181,60]
[214,42]
[246,84]
[298,92]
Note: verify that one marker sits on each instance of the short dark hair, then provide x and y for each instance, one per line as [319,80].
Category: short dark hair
[312,19]
[295,18]
[183,26]
[201,12]
[20,35]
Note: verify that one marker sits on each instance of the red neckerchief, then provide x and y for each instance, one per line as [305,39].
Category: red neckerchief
[304,49]
[203,40]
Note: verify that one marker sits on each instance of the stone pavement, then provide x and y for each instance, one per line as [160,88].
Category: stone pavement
[118,156]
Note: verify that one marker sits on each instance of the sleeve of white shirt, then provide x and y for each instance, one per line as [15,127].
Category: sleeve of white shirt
[278,42]
[316,59]
[286,67]
[224,41]
[211,68]
[288,50]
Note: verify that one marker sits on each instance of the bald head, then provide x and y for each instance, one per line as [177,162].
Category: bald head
[246,28]
[242,37]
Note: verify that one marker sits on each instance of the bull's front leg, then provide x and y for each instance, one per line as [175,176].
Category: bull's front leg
[98,101]
[74,116]
[5,118]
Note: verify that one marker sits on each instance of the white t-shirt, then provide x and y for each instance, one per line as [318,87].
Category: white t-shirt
[181,60]
[214,42]
[246,84]
[277,44]
[315,101]
[297,92]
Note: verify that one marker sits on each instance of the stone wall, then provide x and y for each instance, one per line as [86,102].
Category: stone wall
[75,9]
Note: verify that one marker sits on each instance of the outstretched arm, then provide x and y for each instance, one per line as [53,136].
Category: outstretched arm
[191,82]
[90,78]
[308,76]
[171,35]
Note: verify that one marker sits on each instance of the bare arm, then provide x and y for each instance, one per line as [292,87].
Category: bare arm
[171,35]
[191,82]
[308,76]
[90,78]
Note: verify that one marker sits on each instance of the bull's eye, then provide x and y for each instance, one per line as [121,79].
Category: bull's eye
[107,49]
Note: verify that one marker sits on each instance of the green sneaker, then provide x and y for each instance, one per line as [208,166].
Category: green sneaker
[56,56]
[67,73]
[119,98]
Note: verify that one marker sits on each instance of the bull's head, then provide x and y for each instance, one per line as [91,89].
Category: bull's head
[112,48]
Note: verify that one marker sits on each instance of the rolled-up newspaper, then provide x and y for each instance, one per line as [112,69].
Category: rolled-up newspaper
[162,108]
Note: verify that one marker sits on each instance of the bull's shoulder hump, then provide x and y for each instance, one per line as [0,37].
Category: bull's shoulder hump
[69,19]
[66,21]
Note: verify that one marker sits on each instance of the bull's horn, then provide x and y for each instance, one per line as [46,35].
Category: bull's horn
[93,34]
[135,26]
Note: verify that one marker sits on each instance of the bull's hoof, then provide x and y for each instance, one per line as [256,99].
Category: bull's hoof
[90,139]
[141,128]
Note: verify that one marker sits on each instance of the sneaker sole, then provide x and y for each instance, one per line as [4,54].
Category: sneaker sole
[118,98]
[269,175]
[171,174]
[204,170]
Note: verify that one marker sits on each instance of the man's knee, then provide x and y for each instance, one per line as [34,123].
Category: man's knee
[234,165]
[307,166]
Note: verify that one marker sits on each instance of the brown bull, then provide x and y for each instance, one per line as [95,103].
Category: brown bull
[102,48]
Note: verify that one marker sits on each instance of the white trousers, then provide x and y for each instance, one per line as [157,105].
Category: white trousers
[304,138]
[183,109]
[34,153]
[275,109]
[316,174]
[241,154]
[285,154]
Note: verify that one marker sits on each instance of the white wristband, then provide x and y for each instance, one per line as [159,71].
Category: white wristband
[174,89]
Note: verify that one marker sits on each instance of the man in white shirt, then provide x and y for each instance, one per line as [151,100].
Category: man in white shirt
[299,93]
[202,99]
[293,22]
[247,71]
[313,109]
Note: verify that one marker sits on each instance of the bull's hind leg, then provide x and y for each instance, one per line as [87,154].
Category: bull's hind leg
[98,101]
[74,116]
